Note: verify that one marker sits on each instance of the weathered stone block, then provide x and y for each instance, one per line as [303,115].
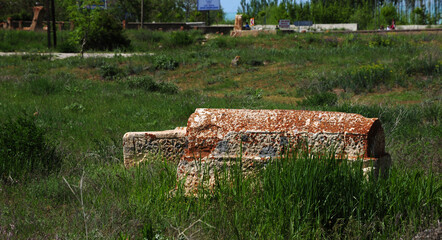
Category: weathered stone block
[214,136]
[238,23]
[138,145]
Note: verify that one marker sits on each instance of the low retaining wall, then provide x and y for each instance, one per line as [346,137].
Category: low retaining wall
[416,27]
[225,29]
[214,136]
[314,27]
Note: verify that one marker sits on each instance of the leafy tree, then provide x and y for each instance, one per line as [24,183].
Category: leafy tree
[19,9]
[363,17]
[95,28]
[419,15]
[388,13]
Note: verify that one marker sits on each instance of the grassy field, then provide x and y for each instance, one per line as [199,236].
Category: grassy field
[75,111]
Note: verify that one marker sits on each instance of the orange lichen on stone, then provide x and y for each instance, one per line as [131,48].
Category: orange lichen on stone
[214,136]
[213,132]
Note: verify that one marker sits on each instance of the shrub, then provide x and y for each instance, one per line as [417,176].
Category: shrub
[144,82]
[167,87]
[111,71]
[147,83]
[106,33]
[68,47]
[320,99]
[381,41]
[24,149]
[75,107]
[149,36]
[366,77]
[181,38]
[425,65]
[93,62]
[184,38]
[165,62]
[97,29]
[221,42]
[388,13]
[252,93]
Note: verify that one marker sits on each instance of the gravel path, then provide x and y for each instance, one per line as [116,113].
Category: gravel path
[68,55]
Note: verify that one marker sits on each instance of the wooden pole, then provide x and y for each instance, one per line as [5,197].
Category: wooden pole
[48,22]
[208,18]
[54,27]
[142,13]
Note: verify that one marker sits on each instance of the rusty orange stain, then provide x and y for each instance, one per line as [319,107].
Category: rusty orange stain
[207,127]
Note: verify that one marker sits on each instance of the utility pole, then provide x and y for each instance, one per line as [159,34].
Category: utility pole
[265,13]
[48,22]
[54,27]
[208,18]
[376,16]
[142,13]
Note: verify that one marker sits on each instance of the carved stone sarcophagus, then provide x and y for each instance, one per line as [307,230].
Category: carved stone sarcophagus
[214,136]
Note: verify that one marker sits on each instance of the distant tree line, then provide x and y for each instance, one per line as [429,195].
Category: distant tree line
[367,13]
[129,10]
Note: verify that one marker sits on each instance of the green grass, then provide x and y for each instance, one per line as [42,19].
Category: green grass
[84,106]
[294,197]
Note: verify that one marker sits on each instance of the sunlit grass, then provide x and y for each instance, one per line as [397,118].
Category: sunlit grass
[84,106]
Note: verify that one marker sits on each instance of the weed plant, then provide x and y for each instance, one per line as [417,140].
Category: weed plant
[165,62]
[366,78]
[147,83]
[111,71]
[181,39]
[25,150]
[320,99]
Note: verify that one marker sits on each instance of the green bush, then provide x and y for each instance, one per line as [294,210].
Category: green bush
[111,71]
[147,83]
[365,78]
[102,32]
[381,41]
[221,42]
[320,99]
[184,38]
[25,150]
[148,36]
[165,62]
[388,13]
[427,65]
[95,62]
[68,47]
[180,38]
